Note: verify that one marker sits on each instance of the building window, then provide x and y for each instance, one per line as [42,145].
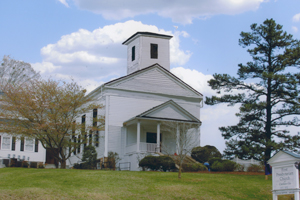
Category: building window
[6,143]
[29,145]
[22,144]
[95,114]
[0,141]
[13,144]
[154,51]
[83,130]
[79,145]
[133,53]
[36,145]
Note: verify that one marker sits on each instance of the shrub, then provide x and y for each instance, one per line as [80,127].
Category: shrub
[239,167]
[76,166]
[157,162]
[13,162]
[223,165]
[112,159]
[33,164]
[212,160]
[255,168]
[195,167]
[25,164]
[203,154]
[89,157]
[41,165]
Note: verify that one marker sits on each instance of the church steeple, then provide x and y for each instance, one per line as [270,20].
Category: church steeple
[145,49]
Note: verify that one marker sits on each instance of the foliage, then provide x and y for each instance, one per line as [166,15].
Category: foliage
[194,167]
[212,160]
[15,72]
[185,136]
[112,159]
[157,163]
[25,164]
[223,165]
[41,165]
[47,111]
[255,168]
[19,183]
[239,167]
[89,157]
[33,164]
[267,90]
[202,154]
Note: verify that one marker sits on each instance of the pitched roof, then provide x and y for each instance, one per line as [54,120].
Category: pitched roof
[152,114]
[147,34]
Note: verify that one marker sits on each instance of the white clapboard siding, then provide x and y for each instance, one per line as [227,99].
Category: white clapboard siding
[122,109]
[100,149]
[169,112]
[114,139]
[155,81]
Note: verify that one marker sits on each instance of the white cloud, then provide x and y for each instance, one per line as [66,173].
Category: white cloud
[296,17]
[99,55]
[179,11]
[295,29]
[64,2]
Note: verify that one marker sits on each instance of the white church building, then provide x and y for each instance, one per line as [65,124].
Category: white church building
[135,105]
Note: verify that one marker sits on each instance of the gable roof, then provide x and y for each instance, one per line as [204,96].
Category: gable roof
[123,82]
[283,156]
[168,111]
[150,34]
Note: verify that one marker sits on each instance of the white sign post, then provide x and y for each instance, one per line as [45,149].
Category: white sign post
[285,174]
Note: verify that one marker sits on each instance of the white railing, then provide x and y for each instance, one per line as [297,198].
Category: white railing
[144,147]
[148,147]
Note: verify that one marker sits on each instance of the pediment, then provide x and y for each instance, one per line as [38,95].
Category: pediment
[284,157]
[169,110]
[154,79]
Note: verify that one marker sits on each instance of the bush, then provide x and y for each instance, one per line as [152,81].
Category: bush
[157,162]
[33,164]
[76,166]
[112,159]
[13,162]
[239,167]
[25,164]
[89,157]
[212,160]
[203,154]
[223,165]
[255,168]
[41,165]
[195,167]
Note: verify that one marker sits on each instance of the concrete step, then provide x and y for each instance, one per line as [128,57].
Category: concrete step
[50,166]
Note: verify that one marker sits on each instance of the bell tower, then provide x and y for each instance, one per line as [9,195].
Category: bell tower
[145,49]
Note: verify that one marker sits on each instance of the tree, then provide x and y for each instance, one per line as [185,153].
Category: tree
[270,101]
[47,111]
[89,157]
[15,72]
[203,154]
[185,135]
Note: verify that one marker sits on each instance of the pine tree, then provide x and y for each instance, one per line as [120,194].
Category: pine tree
[267,90]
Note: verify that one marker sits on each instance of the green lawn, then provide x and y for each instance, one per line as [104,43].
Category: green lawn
[19,183]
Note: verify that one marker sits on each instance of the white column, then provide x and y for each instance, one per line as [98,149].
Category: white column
[158,137]
[177,139]
[125,136]
[138,136]
[106,126]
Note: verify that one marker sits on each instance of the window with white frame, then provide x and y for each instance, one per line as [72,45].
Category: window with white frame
[29,144]
[6,142]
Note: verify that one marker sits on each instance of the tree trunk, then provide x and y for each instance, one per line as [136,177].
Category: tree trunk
[63,164]
[179,171]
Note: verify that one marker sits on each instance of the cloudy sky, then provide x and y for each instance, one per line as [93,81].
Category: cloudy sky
[82,39]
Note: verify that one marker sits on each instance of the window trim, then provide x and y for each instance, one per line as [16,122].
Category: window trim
[9,148]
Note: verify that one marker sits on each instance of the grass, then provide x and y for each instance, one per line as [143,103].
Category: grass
[20,183]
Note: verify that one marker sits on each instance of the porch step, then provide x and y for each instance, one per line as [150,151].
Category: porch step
[50,166]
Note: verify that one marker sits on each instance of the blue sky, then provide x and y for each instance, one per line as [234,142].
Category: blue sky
[82,39]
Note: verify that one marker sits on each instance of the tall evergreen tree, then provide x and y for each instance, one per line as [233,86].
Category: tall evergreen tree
[269,100]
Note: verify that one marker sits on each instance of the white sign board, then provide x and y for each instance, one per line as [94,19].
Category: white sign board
[284,178]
